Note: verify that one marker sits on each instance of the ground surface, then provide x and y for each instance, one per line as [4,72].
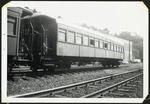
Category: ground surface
[26,84]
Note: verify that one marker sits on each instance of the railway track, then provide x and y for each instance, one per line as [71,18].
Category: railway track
[27,72]
[123,86]
[92,88]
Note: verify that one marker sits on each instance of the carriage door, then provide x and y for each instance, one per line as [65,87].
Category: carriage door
[24,40]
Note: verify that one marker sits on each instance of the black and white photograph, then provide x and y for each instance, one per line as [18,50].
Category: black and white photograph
[74,52]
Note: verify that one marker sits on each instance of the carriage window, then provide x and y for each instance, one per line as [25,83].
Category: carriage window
[108,45]
[105,45]
[85,40]
[91,41]
[112,47]
[122,49]
[118,48]
[101,43]
[62,35]
[96,42]
[70,37]
[78,39]
[115,48]
[11,26]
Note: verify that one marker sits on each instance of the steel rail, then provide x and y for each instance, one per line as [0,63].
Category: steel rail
[110,88]
[71,86]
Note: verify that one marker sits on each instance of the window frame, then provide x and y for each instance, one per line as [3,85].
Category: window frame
[97,40]
[105,42]
[109,46]
[122,49]
[64,31]
[93,41]
[101,41]
[112,47]
[115,47]
[118,48]
[68,35]
[87,40]
[14,21]
[79,35]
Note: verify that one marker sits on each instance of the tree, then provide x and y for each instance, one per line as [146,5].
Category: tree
[105,31]
[59,17]
[85,25]
[34,11]
[137,43]
[125,35]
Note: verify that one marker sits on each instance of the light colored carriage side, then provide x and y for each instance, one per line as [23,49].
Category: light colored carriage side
[125,43]
[80,50]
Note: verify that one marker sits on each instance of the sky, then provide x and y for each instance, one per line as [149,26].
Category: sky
[116,16]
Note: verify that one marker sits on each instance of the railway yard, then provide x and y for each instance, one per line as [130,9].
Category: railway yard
[49,57]
[84,81]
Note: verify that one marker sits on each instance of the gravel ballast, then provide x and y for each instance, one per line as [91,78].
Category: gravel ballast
[26,84]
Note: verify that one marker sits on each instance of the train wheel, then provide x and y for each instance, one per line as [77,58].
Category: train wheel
[34,69]
[79,63]
[51,68]
[44,69]
[68,65]
[117,66]
[104,66]
[112,65]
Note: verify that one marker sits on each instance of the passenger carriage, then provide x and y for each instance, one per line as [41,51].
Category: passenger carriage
[47,43]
